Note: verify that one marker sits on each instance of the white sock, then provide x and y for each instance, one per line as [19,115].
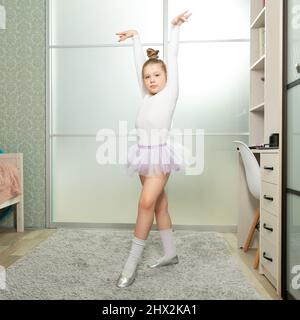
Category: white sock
[134,256]
[168,243]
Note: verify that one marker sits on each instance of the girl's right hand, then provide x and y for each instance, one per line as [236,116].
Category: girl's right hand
[180,19]
[126,34]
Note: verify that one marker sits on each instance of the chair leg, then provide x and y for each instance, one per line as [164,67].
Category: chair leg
[256,261]
[251,231]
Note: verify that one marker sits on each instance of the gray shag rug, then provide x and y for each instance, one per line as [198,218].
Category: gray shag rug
[85,264]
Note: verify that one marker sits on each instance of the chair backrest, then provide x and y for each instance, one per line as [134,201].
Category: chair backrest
[252,168]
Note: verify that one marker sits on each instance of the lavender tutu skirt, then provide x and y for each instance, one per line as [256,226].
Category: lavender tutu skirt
[154,160]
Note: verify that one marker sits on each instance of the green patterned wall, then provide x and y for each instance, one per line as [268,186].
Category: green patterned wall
[23,100]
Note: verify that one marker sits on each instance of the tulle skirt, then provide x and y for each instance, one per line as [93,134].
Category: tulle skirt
[154,160]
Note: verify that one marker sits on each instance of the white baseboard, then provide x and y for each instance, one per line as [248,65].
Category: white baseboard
[130,226]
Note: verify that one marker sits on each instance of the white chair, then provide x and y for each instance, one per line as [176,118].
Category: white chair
[252,171]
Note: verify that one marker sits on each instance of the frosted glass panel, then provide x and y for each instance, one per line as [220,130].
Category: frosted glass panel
[293,39]
[214,87]
[293,146]
[293,244]
[213,19]
[84,191]
[93,88]
[96,21]
[210,198]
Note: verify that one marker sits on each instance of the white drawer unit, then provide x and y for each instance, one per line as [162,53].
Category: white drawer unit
[268,226]
[270,217]
[268,256]
[269,197]
[269,167]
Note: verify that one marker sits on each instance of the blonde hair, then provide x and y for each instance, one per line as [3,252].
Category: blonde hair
[153,59]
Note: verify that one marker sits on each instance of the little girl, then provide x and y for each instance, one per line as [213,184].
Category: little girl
[153,157]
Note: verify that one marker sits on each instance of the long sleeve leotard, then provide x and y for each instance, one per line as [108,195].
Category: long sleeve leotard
[156,111]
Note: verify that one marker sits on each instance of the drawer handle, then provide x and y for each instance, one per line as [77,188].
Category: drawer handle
[267,228]
[266,257]
[268,198]
[269,168]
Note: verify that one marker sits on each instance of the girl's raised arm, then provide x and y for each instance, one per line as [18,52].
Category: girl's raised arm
[139,60]
[173,53]
[139,56]
[172,82]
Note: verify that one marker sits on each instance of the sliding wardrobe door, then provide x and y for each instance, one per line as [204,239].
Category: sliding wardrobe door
[292,154]
[93,86]
[214,96]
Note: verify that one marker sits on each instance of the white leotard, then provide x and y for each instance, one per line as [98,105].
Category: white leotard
[156,111]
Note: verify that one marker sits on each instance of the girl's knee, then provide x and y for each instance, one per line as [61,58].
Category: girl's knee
[146,203]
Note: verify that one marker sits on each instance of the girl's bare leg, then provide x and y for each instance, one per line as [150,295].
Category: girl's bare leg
[162,216]
[164,226]
[152,188]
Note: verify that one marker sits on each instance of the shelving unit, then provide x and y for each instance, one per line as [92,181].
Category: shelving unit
[265,118]
[265,70]
[257,74]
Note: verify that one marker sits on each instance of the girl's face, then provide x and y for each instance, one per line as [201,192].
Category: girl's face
[154,78]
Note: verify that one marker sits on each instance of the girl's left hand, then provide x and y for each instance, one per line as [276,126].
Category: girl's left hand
[180,19]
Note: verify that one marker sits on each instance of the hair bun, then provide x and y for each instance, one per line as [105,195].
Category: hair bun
[152,54]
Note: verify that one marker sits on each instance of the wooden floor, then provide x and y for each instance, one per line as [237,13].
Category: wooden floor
[15,245]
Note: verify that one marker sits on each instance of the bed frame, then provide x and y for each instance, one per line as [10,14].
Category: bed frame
[16,159]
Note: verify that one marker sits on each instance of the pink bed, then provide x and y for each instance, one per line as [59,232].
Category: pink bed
[10,185]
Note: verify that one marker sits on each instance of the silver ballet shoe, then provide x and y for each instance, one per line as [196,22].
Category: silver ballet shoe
[125,281]
[163,263]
